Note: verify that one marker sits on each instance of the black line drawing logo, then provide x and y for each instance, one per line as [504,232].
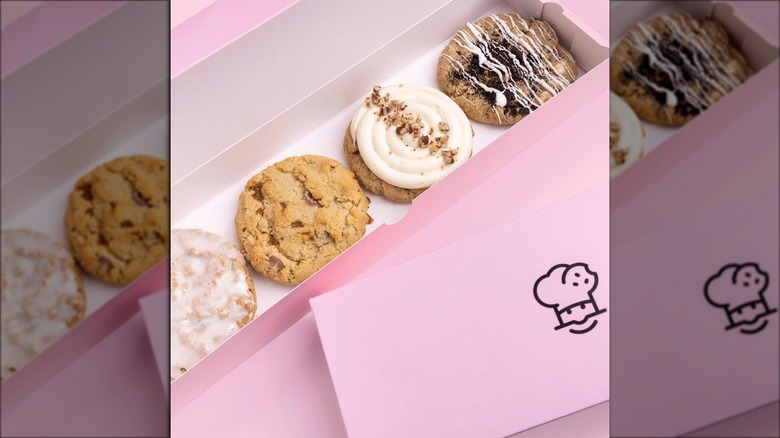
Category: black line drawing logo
[739,290]
[568,290]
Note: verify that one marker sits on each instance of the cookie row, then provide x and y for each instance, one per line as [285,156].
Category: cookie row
[117,226]
[297,215]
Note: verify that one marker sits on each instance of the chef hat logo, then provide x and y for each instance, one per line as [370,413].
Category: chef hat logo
[568,289]
[739,291]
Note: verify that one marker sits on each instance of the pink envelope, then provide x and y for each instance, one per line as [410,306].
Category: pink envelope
[487,337]
[156,311]
[696,327]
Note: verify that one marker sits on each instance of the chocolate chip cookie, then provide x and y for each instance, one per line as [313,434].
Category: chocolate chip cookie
[117,218]
[299,214]
[672,67]
[501,67]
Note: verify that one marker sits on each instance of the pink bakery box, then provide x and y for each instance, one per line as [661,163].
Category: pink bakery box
[34,28]
[123,106]
[99,379]
[691,201]
[487,337]
[310,118]
[291,370]
[665,147]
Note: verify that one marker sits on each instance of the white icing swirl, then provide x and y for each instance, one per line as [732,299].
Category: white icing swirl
[212,295]
[399,159]
[629,142]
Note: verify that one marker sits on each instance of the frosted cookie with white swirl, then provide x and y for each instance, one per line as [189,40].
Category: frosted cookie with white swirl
[673,67]
[501,67]
[625,136]
[42,296]
[405,138]
[212,295]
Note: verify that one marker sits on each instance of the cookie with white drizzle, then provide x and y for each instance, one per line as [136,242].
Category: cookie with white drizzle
[673,67]
[42,296]
[212,295]
[405,138]
[502,67]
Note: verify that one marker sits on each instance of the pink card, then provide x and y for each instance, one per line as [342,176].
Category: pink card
[156,311]
[111,390]
[487,337]
[696,326]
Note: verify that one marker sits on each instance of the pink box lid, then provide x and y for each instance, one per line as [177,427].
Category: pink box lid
[487,337]
[111,390]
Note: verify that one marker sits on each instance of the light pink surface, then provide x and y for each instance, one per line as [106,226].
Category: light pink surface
[79,340]
[455,344]
[675,368]
[216,26]
[156,311]
[111,390]
[10,11]
[44,27]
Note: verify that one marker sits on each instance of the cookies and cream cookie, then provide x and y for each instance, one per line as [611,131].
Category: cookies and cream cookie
[212,295]
[42,296]
[673,67]
[297,215]
[405,138]
[117,218]
[501,67]
[625,136]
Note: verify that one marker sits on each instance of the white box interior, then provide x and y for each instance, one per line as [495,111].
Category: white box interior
[332,106]
[755,46]
[117,55]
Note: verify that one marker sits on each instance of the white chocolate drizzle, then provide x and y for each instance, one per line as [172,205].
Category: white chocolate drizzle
[696,56]
[531,70]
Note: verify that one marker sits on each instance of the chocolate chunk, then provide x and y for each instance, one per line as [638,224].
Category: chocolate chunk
[276,263]
[272,240]
[257,192]
[86,191]
[102,240]
[296,224]
[105,263]
[309,198]
[140,200]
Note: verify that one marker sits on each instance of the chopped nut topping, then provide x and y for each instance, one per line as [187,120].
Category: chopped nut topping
[392,112]
[449,156]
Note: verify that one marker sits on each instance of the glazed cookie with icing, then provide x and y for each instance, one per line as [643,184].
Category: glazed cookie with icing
[625,136]
[117,218]
[673,67]
[212,295]
[405,138]
[501,67]
[42,296]
[297,215]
